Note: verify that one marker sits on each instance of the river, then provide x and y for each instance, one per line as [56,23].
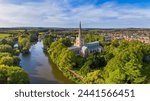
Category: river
[40,68]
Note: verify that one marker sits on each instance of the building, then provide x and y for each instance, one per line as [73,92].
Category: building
[84,49]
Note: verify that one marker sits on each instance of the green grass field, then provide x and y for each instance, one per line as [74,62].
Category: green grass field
[41,33]
[3,35]
[15,31]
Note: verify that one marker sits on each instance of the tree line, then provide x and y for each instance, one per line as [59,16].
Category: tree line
[121,62]
[25,39]
[10,71]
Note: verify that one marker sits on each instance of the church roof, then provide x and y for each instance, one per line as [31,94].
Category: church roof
[95,42]
[93,45]
[73,47]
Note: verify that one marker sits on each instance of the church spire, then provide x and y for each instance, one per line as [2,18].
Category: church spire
[80,30]
[79,40]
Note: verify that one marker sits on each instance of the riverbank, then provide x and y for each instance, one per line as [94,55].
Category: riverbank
[40,68]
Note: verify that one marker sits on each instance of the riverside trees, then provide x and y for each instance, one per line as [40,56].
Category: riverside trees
[61,55]
[121,62]
[126,65]
[10,72]
[13,74]
[24,42]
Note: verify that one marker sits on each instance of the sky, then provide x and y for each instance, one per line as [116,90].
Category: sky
[68,13]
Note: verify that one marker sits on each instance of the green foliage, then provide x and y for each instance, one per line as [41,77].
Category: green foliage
[146,52]
[126,66]
[16,52]
[16,61]
[17,75]
[9,40]
[96,61]
[85,68]
[47,41]
[145,71]
[91,38]
[9,72]
[66,42]
[13,75]
[7,61]
[121,62]
[95,77]
[93,61]
[2,36]
[24,43]
[61,55]
[4,54]
[3,74]
[10,60]
[68,60]
[6,48]
[34,36]
[79,62]
[115,43]
[146,49]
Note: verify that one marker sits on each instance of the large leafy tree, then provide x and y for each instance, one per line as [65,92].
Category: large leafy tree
[95,77]
[10,60]
[66,42]
[7,61]
[24,43]
[9,40]
[6,48]
[47,41]
[14,75]
[126,66]
[17,75]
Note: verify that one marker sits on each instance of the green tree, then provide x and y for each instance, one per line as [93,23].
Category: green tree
[12,75]
[115,43]
[10,60]
[95,77]
[47,41]
[66,42]
[86,68]
[6,48]
[4,54]
[33,36]
[3,74]
[16,61]
[24,43]
[91,38]
[126,66]
[17,75]
[7,61]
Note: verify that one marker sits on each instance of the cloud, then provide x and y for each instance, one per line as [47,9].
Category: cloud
[63,13]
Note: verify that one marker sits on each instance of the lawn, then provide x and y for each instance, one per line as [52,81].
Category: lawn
[3,35]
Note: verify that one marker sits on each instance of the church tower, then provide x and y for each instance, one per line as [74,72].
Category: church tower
[79,40]
[79,30]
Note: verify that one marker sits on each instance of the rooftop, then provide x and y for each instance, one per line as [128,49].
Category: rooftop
[73,47]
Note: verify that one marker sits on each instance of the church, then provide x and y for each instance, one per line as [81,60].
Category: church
[84,49]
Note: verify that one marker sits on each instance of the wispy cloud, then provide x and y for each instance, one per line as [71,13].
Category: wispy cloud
[63,13]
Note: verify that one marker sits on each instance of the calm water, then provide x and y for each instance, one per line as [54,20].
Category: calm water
[40,68]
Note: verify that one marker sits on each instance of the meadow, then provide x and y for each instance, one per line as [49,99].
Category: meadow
[3,35]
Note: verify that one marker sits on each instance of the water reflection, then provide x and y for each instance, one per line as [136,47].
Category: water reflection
[40,68]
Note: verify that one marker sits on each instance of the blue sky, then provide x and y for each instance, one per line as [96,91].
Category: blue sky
[68,13]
